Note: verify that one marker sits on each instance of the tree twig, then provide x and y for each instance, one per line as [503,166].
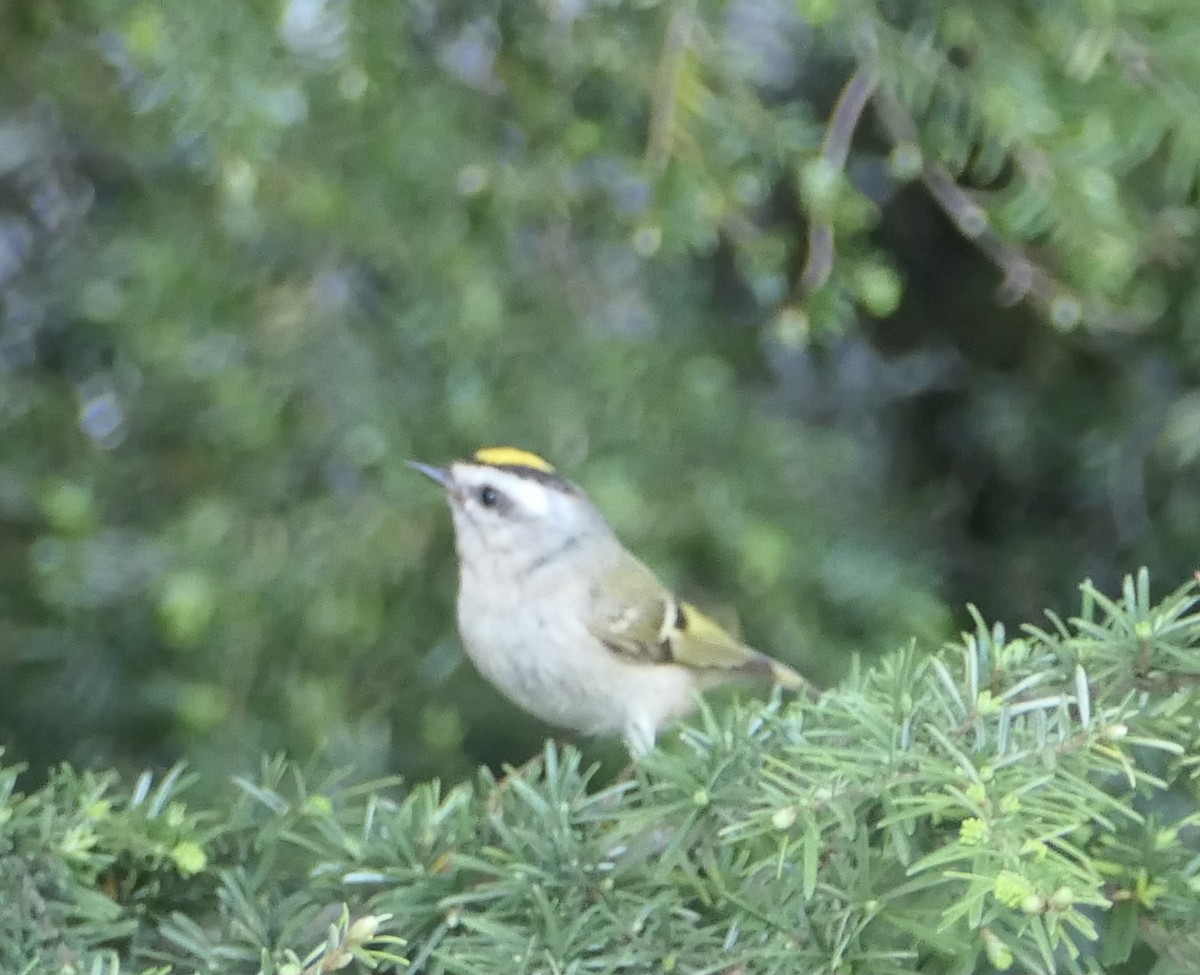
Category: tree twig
[835,150]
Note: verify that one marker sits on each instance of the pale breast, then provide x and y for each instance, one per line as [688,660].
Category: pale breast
[558,671]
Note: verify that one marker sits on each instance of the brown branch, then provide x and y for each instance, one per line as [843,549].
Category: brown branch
[835,150]
[1023,277]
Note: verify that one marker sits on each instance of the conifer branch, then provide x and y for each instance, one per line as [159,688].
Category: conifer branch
[1024,279]
[1001,799]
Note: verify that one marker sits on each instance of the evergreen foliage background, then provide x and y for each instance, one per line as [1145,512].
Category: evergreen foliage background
[846,314]
[709,258]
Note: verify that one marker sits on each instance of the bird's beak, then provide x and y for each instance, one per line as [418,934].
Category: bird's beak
[439,474]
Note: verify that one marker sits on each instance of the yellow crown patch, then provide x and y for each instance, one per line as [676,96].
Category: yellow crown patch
[511,457]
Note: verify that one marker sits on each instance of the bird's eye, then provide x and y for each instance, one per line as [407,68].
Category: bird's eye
[488,496]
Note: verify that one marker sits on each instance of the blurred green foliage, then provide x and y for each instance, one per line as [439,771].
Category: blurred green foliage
[254,257]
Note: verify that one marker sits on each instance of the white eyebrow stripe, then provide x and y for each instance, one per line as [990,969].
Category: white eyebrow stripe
[525,493]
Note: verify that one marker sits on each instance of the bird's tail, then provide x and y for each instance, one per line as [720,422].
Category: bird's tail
[762,667]
[786,677]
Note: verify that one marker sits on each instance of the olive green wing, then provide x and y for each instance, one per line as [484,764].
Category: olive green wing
[636,617]
[629,608]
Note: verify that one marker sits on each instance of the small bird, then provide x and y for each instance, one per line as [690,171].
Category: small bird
[566,622]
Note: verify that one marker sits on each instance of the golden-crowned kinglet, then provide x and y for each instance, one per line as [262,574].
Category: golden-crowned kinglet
[559,616]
